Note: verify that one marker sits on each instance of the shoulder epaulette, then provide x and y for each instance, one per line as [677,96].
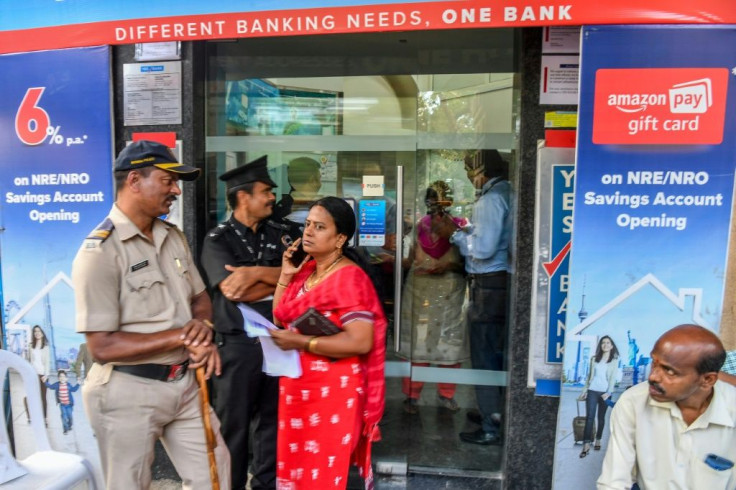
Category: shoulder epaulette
[217,231]
[102,232]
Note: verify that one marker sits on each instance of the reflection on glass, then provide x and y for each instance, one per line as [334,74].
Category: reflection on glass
[434,325]
[305,180]
[261,107]
[485,246]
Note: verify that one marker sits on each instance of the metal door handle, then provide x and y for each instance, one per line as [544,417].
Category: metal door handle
[398,254]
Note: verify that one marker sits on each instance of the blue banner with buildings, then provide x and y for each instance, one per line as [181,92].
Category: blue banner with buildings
[653,197]
[56,186]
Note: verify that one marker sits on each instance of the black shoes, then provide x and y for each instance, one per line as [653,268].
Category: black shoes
[474,416]
[481,437]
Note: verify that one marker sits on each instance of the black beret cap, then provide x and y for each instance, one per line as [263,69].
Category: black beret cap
[255,171]
[144,153]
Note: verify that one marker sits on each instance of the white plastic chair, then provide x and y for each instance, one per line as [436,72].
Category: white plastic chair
[46,469]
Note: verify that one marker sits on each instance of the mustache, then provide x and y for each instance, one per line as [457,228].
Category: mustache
[171,198]
[657,387]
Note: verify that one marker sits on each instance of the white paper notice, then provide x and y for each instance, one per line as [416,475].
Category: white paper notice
[152,93]
[169,50]
[559,81]
[276,362]
[372,185]
[561,39]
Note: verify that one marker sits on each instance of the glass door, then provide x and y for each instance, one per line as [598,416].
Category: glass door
[452,317]
[400,146]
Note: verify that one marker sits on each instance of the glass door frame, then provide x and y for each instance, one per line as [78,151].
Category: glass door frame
[414,143]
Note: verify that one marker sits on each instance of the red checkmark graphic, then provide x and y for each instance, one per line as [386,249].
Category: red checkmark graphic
[551,267]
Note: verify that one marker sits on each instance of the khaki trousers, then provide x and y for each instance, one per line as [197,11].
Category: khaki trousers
[129,413]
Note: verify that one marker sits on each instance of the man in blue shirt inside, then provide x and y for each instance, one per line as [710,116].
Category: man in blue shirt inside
[728,371]
[485,246]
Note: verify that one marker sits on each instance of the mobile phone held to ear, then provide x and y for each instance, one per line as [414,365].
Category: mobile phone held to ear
[298,256]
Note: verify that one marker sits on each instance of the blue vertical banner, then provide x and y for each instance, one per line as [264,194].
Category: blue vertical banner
[553,223]
[56,186]
[653,197]
[563,179]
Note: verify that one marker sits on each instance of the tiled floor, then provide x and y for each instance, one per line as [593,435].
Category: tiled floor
[411,482]
[426,445]
[433,482]
[427,440]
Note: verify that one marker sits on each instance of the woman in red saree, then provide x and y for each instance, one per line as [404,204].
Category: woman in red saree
[329,416]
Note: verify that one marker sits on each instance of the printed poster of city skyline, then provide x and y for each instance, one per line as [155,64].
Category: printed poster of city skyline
[653,198]
[56,186]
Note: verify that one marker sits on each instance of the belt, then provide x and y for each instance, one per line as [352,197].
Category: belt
[487,274]
[159,372]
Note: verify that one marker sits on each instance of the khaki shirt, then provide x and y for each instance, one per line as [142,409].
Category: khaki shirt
[128,283]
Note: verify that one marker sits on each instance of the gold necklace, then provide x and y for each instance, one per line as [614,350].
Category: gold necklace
[321,276]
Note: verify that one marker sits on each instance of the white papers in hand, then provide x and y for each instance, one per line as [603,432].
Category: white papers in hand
[276,362]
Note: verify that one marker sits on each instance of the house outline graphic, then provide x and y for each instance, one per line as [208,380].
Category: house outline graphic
[679,300]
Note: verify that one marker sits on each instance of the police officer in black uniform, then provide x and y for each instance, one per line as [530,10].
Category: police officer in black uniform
[242,261]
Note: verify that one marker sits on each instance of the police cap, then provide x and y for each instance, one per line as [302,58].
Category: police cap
[255,171]
[144,153]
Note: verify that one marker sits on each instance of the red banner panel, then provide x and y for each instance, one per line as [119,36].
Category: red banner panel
[660,106]
[461,14]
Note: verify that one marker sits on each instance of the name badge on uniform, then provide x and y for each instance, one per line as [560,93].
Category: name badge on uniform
[139,265]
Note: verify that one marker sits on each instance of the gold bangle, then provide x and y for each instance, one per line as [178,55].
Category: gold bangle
[209,323]
[279,283]
[310,345]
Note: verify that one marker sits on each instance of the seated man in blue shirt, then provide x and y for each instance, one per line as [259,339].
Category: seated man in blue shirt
[485,247]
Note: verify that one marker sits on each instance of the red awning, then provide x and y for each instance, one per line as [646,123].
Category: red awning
[463,14]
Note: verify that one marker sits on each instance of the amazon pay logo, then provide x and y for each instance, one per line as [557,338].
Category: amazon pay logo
[655,106]
[691,97]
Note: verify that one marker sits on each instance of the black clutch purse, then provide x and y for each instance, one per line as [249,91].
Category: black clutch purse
[312,322]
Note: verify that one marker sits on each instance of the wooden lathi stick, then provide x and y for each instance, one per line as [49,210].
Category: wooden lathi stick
[209,434]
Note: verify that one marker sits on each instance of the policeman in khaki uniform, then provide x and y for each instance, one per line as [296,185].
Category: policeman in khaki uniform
[145,314]
[242,261]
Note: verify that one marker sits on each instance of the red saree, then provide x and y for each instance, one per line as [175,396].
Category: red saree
[329,417]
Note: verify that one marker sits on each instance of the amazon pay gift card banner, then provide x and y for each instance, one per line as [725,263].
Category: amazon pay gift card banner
[669,106]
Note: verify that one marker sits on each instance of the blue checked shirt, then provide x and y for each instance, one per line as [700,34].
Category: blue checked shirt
[730,365]
[486,245]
